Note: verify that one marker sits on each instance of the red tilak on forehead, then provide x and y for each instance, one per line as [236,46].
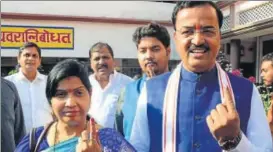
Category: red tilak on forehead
[70,90]
[197,27]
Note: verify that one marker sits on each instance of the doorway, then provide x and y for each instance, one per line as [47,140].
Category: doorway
[265,46]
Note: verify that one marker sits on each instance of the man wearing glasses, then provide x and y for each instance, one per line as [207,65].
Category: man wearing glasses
[31,87]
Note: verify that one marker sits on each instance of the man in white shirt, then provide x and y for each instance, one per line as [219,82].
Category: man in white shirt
[199,107]
[31,87]
[106,84]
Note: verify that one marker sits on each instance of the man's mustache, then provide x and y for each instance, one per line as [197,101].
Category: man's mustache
[30,62]
[204,46]
[102,66]
[150,62]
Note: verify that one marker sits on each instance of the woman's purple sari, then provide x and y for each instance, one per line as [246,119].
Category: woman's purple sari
[113,141]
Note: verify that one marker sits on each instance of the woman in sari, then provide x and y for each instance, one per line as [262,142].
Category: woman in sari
[68,91]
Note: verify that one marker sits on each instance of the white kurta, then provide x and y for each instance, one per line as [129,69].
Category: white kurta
[104,101]
[36,108]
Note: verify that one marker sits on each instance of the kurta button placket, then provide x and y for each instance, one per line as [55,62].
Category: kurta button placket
[197,117]
[196,145]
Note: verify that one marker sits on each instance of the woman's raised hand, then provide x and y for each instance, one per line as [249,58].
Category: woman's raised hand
[89,141]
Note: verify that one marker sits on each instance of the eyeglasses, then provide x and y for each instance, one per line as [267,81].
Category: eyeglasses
[189,32]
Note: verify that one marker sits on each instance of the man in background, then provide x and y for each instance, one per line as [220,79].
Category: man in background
[267,77]
[106,84]
[31,84]
[153,52]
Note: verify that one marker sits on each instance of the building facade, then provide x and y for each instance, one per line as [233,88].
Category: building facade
[67,29]
[247,34]
[247,31]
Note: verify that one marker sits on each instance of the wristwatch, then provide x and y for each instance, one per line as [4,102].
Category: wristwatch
[231,143]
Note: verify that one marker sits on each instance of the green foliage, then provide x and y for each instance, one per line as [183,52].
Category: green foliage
[266,95]
[12,72]
[224,62]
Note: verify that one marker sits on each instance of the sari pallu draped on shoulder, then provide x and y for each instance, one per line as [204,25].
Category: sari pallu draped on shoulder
[65,146]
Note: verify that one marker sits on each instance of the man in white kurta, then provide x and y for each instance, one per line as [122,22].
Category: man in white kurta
[106,84]
[31,87]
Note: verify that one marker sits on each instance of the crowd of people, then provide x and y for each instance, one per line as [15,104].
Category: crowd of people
[196,107]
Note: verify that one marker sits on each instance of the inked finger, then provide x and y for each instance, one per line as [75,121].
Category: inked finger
[228,100]
[93,130]
[150,71]
[148,74]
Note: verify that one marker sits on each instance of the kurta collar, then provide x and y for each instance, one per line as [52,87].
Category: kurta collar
[39,76]
[194,77]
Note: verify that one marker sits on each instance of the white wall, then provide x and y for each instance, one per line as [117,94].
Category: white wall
[113,9]
[119,37]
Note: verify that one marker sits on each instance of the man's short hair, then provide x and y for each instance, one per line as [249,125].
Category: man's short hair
[190,4]
[29,45]
[99,45]
[268,57]
[152,30]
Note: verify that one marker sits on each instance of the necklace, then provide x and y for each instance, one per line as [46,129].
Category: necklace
[55,135]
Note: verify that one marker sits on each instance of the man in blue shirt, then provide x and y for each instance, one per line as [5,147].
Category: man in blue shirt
[153,51]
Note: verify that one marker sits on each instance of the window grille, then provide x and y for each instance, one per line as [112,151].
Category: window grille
[226,23]
[257,13]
